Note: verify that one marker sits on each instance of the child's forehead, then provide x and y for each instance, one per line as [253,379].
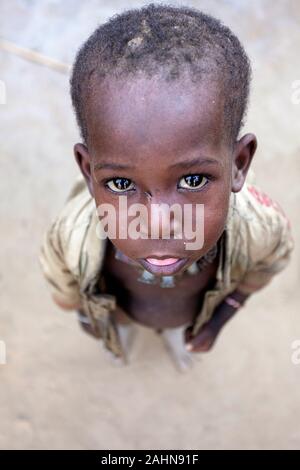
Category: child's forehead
[141,110]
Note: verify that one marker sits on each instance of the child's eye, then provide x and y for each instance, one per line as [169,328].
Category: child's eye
[193,182]
[120,185]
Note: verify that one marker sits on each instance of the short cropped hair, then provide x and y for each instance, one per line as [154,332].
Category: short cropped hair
[167,40]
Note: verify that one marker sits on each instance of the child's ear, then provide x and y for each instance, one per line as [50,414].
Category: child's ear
[242,156]
[83,159]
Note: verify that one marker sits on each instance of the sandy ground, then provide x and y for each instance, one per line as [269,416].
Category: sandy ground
[57,391]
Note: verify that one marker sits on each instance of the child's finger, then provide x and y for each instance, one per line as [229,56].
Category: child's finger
[203,341]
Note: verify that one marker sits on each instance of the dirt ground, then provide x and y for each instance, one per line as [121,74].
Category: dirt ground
[57,390]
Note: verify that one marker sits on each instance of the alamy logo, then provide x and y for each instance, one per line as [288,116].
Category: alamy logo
[2,92]
[295,357]
[2,352]
[295,97]
[161,221]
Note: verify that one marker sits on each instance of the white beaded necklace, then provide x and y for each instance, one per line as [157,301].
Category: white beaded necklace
[169,281]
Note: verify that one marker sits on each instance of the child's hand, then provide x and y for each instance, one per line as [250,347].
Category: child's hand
[206,337]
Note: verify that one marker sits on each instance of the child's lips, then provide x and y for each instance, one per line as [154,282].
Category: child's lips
[164,266]
[162,262]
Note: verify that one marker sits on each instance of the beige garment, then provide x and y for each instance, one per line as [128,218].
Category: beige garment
[255,245]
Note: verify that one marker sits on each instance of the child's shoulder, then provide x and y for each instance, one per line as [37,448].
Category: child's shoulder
[72,236]
[257,210]
[258,224]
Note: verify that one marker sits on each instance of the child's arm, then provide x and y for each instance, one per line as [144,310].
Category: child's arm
[64,287]
[269,261]
[65,305]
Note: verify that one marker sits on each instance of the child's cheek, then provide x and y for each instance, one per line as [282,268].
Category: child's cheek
[214,222]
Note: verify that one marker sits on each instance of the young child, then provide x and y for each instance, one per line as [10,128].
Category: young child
[160,94]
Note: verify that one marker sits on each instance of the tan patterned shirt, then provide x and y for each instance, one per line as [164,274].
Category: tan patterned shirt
[255,245]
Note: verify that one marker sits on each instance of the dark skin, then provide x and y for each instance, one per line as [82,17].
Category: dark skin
[152,134]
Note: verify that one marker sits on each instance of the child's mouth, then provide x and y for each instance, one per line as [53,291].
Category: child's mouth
[164,266]
[162,262]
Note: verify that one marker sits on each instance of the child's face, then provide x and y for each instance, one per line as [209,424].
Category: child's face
[163,142]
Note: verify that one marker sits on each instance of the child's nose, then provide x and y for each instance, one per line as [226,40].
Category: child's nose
[164,218]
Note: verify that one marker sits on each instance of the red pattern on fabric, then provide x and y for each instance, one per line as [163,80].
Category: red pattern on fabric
[265,200]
